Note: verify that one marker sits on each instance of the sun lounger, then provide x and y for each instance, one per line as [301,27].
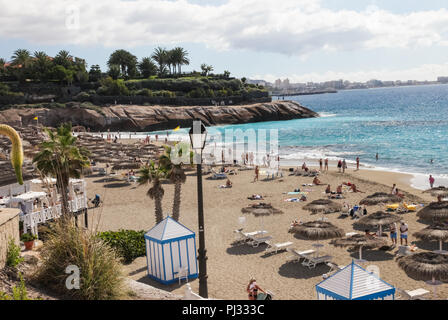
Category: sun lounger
[298,255]
[244,237]
[333,268]
[416,294]
[256,241]
[276,247]
[312,262]
[218,176]
[349,234]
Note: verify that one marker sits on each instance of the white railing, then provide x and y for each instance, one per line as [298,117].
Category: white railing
[31,220]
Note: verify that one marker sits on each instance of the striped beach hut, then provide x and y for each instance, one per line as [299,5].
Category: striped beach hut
[171,252]
[354,283]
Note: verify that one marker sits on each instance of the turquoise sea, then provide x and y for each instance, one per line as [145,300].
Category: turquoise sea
[406,126]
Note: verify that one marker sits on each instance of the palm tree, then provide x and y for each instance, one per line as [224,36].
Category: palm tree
[21,60]
[61,158]
[21,57]
[126,61]
[176,175]
[160,56]
[206,69]
[63,58]
[152,174]
[147,67]
[180,58]
[41,66]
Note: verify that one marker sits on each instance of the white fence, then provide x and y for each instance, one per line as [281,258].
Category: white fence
[31,220]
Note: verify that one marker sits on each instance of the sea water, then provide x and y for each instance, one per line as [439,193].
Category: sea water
[406,126]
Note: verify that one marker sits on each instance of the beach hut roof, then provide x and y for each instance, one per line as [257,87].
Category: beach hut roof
[168,229]
[355,283]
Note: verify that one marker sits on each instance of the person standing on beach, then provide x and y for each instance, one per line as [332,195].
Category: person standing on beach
[339,165]
[344,166]
[326,164]
[403,232]
[320,164]
[431,181]
[257,171]
[357,163]
[394,189]
[393,233]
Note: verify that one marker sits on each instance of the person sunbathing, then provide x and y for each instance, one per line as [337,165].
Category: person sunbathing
[354,189]
[316,181]
[328,189]
[228,183]
[255,197]
[295,223]
[339,189]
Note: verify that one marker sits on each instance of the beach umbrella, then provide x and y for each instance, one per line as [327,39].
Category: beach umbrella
[323,205]
[261,210]
[359,241]
[379,219]
[438,191]
[126,166]
[434,211]
[317,230]
[436,231]
[427,266]
[380,197]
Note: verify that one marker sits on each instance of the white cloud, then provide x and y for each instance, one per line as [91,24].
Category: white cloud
[292,27]
[423,72]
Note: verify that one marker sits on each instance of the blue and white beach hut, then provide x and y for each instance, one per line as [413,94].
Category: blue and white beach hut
[171,249]
[354,283]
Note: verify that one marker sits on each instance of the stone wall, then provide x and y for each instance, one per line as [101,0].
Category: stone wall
[9,228]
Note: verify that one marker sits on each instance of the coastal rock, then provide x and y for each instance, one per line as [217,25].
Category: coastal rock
[149,118]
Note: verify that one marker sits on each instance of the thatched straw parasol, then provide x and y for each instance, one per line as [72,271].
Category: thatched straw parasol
[359,241]
[434,211]
[260,210]
[426,266]
[126,166]
[317,230]
[438,191]
[380,219]
[437,231]
[323,205]
[380,197]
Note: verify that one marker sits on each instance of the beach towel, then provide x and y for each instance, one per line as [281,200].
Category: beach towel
[292,200]
[294,193]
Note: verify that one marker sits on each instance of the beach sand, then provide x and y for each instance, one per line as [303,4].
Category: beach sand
[229,268]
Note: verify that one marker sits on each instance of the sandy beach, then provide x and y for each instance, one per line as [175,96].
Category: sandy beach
[229,267]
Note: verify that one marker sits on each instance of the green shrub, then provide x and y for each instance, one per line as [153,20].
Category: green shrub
[13,258]
[110,87]
[82,96]
[28,237]
[145,93]
[100,270]
[129,244]
[18,292]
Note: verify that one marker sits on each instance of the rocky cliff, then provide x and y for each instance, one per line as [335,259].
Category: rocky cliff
[148,118]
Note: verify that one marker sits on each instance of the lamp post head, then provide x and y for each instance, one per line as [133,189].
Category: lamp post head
[198,136]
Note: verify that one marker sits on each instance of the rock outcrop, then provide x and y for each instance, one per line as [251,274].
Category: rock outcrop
[149,118]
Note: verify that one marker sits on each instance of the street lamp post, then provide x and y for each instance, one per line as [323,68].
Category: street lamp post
[198,135]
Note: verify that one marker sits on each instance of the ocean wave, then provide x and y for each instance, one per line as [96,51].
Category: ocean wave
[326,114]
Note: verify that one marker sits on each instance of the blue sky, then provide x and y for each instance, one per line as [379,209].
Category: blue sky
[313,40]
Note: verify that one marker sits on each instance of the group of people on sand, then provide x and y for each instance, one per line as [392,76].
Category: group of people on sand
[404,229]
[323,166]
[396,192]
